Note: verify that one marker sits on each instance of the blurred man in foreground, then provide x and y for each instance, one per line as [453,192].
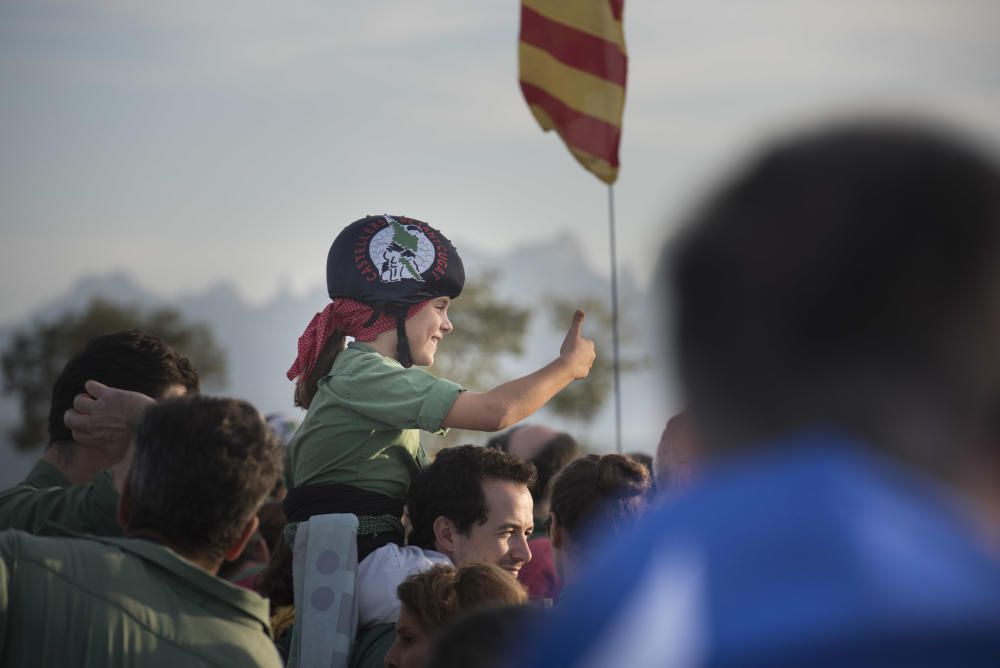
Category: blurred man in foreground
[838,313]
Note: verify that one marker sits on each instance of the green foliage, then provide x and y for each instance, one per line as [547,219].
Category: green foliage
[486,328]
[583,399]
[37,354]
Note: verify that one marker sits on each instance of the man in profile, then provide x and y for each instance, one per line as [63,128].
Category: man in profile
[471,505]
[549,452]
[76,485]
[838,320]
[201,469]
[474,506]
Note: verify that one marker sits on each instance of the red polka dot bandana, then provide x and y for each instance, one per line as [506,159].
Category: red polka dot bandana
[347,317]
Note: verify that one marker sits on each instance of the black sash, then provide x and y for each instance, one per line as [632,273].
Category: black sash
[301,503]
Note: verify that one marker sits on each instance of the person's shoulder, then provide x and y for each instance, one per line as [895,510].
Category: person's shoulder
[59,550]
[393,558]
[11,542]
[43,475]
[251,646]
[372,645]
[361,358]
[56,537]
[359,361]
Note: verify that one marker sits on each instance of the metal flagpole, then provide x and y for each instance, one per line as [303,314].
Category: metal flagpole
[614,319]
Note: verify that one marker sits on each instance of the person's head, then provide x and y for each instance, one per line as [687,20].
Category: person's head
[486,638]
[523,441]
[848,278]
[677,453]
[548,450]
[129,360]
[434,598]
[474,505]
[201,468]
[594,496]
[382,272]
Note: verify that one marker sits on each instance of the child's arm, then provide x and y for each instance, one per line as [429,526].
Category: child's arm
[511,402]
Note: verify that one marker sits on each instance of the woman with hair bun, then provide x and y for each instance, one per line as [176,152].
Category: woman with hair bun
[607,492]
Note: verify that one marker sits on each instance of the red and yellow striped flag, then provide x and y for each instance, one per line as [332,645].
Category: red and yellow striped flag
[573,68]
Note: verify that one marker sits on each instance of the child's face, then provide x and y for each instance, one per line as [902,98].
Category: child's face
[426,329]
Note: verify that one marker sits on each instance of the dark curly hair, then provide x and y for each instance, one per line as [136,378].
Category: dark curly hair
[128,360]
[202,467]
[438,595]
[554,456]
[453,487]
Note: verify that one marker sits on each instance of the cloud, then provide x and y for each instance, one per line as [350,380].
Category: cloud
[233,119]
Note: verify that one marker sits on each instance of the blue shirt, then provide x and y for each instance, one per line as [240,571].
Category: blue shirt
[815,552]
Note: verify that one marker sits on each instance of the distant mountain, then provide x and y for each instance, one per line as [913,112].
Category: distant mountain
[261,339]
[119,288]
[553,267]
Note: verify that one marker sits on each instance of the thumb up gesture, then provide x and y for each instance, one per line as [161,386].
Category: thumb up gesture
[577,351]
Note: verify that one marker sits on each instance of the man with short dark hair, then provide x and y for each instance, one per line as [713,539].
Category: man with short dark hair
[837,315]
[201,469]
[472,505]
[76,485]
[549,452]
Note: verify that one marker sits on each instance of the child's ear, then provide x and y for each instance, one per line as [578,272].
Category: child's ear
[445,534]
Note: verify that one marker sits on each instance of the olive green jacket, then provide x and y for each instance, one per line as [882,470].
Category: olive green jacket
[115,602]
[46,496]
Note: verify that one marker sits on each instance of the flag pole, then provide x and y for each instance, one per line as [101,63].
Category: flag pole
[614,319]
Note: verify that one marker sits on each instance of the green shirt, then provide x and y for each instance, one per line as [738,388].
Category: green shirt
[47,496]
[363,426]
[122,602]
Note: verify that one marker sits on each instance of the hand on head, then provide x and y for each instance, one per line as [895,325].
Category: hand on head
[105,417]
[577,350]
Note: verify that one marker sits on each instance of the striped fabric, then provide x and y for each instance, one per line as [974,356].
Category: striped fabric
[573,67]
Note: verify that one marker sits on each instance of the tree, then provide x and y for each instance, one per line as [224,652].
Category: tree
[37,355]
[486,329]
[583,399]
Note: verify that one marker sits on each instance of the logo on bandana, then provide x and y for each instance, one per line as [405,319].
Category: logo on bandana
[401,252]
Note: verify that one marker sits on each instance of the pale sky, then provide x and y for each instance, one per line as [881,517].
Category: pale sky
[188,142]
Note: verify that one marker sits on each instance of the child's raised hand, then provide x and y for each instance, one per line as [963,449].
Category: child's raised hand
[576,350]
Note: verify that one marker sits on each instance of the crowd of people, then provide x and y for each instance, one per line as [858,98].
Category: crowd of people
[829,496]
